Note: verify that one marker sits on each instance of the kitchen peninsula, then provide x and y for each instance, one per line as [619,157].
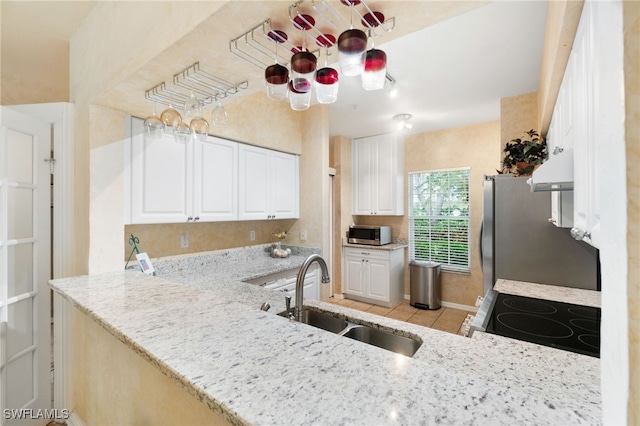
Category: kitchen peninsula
[217,358]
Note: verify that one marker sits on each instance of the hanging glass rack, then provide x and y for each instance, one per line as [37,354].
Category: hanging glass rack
[256,45]
[209,88]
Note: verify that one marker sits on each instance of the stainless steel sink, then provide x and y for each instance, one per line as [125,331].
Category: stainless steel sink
[383,339]
[362,333]
[321,320]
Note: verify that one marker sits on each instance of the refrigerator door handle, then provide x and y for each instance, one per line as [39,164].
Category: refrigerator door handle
[480,244]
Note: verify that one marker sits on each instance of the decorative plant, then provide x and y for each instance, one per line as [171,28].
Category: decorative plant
[523,155]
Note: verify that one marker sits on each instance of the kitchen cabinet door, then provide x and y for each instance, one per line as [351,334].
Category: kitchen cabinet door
[354,276]
[283,181]
[363,176]
[378,175]
[268,184]
[389,163]
[215,180]
[378,279]
[253,183]
[597,55]
[159,170]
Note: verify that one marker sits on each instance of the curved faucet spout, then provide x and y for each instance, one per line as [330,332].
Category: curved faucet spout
[300,280]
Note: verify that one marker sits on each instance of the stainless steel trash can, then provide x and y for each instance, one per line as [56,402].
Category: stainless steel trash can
[425,292]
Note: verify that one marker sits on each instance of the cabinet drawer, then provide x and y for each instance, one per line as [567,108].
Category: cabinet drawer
[366,253]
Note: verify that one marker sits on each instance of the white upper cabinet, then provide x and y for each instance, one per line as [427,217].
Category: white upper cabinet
[378,175]
[268,184]
[597,56]
[159,174]
[589,116]
[167,182]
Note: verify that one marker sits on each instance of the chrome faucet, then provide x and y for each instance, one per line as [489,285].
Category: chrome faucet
[300,281]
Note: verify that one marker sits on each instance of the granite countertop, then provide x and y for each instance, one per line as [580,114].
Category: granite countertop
[258,368]
[388,247]
[576,296]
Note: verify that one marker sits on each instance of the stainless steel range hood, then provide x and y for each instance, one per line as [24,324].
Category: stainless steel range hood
[555,174]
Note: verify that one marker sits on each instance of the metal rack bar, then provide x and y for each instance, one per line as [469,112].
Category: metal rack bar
[295,6]
[340,25]
[250,46]
[209,87]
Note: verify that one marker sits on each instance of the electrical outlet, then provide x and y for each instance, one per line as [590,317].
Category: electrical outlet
[252,235]
[184,240]
[303,235]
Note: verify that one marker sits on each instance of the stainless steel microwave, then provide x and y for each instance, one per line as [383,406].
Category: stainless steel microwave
[371,235]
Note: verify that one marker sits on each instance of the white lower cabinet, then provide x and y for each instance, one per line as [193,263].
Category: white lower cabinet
[373,276]
[286,283]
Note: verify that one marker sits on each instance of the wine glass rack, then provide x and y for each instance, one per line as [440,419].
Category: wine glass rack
[207,87]
[256,45]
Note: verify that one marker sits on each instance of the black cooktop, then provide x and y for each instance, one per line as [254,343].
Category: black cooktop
[560,325]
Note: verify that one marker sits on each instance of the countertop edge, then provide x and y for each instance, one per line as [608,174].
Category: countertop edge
[161,366]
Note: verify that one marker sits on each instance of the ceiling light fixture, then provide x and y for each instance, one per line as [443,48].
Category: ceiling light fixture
[402,121]
[390,84]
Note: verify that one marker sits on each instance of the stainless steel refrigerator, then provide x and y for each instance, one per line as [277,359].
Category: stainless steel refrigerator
[518,242]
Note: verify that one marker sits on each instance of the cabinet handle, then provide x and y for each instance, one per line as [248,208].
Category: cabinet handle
[579,234]
[189,219]
[197,218]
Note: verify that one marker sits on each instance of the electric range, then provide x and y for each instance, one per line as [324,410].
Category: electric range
[565,326]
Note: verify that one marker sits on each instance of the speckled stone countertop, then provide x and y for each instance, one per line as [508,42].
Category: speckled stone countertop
[397,244]
[202,327]
[549,292]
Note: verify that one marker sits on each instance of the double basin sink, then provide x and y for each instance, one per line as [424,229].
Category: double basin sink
[362,333]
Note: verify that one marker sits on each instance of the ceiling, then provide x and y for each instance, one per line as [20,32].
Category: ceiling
[451,73]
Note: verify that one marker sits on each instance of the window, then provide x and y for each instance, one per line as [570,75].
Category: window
[439,218]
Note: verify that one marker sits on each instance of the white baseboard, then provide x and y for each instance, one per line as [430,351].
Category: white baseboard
[452,305]
[75,420]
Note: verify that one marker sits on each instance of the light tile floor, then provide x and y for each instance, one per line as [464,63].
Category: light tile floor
[445,319]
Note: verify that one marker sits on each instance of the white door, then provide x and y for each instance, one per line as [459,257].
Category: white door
[25,234]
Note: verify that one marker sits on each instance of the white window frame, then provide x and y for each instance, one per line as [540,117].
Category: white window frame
[411,216]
